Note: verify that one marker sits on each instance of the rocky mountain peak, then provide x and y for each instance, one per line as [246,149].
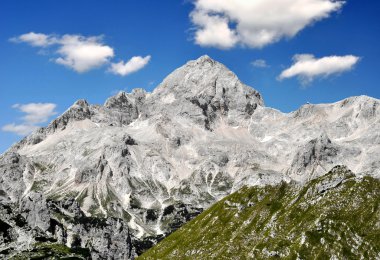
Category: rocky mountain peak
[81,103]
[205,88]
[204,77]
[120,100]
[123,100]
[363,106]
[204,58]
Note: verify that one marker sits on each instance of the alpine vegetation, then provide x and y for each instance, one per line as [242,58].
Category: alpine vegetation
[335,216]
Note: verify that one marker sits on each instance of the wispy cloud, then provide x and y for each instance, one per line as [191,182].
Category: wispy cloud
[35,114]
[20,129]
[35,39]
[81,53]
[225,24]
[134,64]
[306,67]
[260,63]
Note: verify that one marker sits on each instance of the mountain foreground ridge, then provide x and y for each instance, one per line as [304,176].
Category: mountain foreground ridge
[335,216]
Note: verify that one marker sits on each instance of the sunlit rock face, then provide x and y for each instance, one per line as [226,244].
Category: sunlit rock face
[199,136]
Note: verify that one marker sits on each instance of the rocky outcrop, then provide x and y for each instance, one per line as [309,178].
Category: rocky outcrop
[37,223]
[312,157]
[36,220]
[316,156]
[15,171]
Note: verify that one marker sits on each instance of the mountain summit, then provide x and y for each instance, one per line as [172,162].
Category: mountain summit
[204,90]
[206,78]
[145,163]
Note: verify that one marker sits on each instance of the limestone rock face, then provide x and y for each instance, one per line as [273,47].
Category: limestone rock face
[37,220]
[204,90]
[16,172]
[318,155]
[199,136]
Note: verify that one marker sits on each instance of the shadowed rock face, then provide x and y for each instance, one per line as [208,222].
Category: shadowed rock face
[40,223]
[200,135]
[14,168]
[317,156]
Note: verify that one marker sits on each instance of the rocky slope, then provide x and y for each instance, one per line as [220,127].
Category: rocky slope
[38,228]
[156,160]
[336,216]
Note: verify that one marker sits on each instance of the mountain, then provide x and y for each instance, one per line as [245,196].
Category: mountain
[335,216]
[153,161]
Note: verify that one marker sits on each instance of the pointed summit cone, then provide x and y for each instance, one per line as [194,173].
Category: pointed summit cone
[206,77]
[205,90]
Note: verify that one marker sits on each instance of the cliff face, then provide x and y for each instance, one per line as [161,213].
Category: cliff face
[156,160]
[40,227]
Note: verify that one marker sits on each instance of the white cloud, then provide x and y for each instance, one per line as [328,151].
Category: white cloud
[36,39]
[255,23]
[77,52]
[83,54]
[35,113]
[134,64]
[260,63]
[19,129]
[306,67]
[213,31]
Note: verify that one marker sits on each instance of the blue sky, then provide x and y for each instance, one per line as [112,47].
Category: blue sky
[169,33]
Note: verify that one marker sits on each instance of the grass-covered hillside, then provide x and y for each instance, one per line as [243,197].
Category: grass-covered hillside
[336,216]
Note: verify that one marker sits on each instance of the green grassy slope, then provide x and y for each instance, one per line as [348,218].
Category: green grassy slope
[336,215]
